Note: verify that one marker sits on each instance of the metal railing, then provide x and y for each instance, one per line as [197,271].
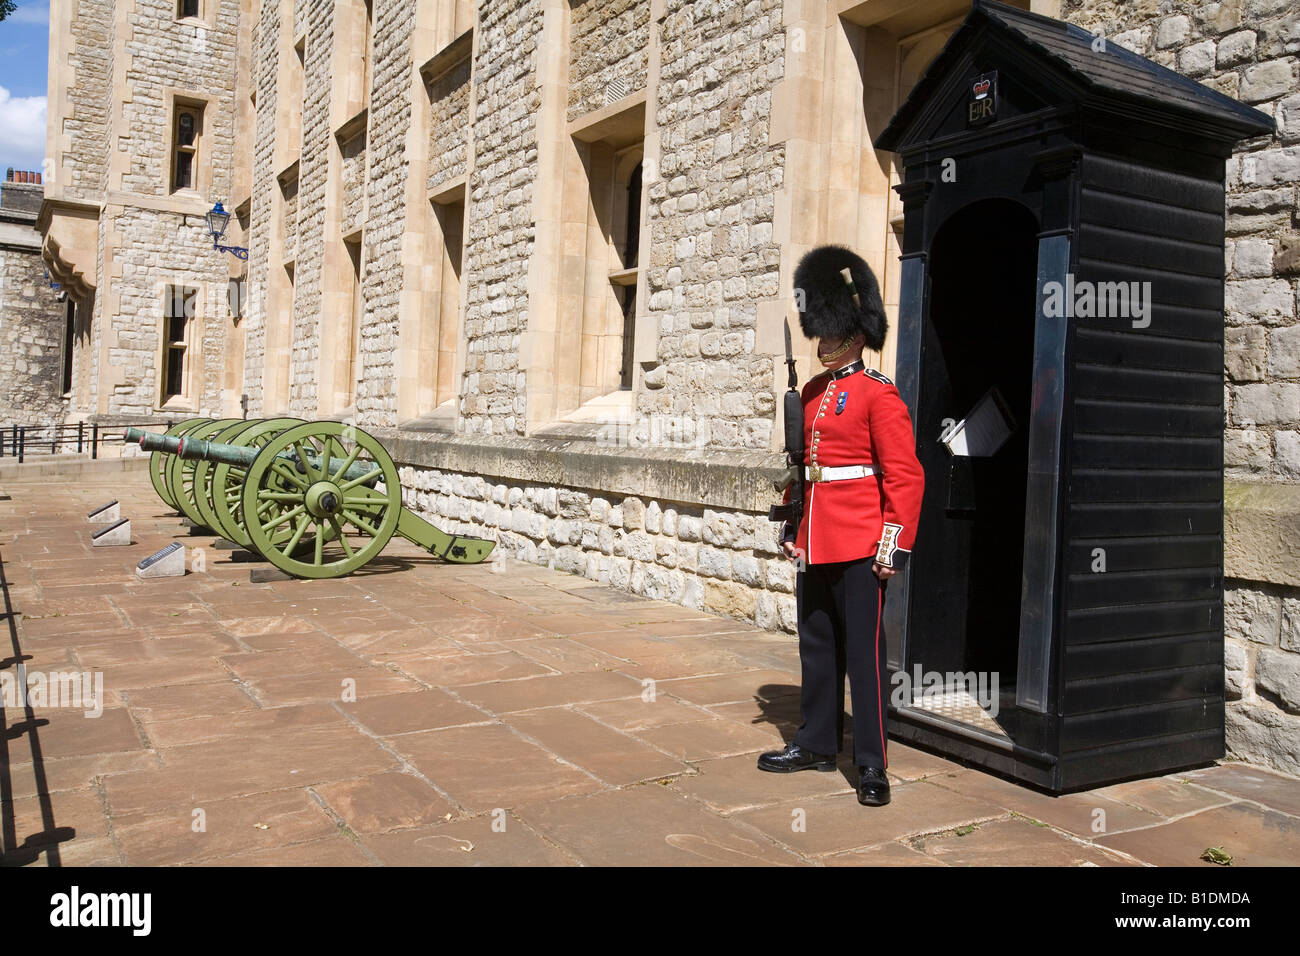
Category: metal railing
[18,441]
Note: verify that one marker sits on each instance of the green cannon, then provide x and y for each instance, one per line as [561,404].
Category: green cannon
[316,499]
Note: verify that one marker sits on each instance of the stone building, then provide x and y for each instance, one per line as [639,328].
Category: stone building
[35,354]
[143,117]
[543,248]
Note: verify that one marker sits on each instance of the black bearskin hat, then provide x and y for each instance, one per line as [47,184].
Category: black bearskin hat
[828,307]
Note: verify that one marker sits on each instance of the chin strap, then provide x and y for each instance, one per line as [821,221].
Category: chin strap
[847,344]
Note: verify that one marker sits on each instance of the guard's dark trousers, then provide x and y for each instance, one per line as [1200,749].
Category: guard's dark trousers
[839,608]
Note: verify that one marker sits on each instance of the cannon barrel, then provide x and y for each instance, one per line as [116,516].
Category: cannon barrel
[238,456]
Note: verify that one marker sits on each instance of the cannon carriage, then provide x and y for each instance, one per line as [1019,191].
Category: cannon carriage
[315,499]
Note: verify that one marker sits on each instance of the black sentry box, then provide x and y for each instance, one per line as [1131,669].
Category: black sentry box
[1083,562]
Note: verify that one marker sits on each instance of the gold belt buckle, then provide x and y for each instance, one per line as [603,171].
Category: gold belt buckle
[815,472]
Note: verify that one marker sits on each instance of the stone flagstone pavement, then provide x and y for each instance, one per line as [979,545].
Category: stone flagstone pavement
[498,719]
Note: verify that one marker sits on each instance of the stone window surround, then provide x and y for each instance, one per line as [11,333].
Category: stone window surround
[206,105]
[351,55]
[421,357]
[607,196]
[208,13]
[561,401]
[446,382]
[184,401]
[67,356]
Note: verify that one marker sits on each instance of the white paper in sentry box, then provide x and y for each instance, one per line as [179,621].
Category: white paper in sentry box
[984,430]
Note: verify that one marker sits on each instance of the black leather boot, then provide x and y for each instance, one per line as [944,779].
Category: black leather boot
[873,787]
[793,758]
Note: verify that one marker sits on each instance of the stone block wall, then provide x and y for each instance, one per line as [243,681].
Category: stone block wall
[316,17]
[154,250]
[289,224]
[265,65]
[608,52]
[354,182]
[449,128]
[500,226]
[31,340]
[386,178]
[710,251]
[85,166]
[708,559]
[1249,50]
[114,144]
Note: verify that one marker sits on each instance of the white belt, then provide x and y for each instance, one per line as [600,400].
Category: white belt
[823,473]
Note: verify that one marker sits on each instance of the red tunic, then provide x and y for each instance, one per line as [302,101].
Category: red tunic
[859,419]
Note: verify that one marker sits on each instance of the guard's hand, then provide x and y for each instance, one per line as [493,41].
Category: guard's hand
[883,572]
[789,549]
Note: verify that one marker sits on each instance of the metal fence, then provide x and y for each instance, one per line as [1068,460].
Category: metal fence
[19,441]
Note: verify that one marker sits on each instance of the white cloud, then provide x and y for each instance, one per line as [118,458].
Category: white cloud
[22,118]
[34,14]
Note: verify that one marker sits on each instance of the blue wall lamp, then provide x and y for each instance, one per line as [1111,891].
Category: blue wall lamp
[218,220]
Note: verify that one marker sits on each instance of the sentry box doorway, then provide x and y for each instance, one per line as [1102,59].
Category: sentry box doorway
[1060,346]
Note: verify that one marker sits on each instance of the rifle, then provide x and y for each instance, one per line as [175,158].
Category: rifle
[793,478]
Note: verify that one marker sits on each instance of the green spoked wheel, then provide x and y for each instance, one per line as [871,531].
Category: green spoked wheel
[203,470]
[180,471]
[226,482]
[337,489]
[158,461]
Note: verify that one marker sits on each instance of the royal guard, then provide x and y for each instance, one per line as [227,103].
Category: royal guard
[861,499]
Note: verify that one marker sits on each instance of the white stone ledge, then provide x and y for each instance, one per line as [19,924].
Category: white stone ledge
[717,478]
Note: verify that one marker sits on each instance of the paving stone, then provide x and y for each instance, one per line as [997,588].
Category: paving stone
[508,696]
[190,648]
[634,714]
[360,682]
[280,624]
[702,739]
[338,850]
[404,644]
[603,752]
[1275,790]
[887,854]
[1250,835]
[240,766]
[1165,796]
[567,656]
[182,701]
[779,718]
[490,766]
[255,723]
[69,733]
[456,670]
[567,624]
[731,784]
[837,823]
[726,688]
[471,842]
[385,801]
[1086,814]
[1014,842]
[649,825]
[28,778]
[85,851]
[420,710]
[909,763]
[320,657]
[228,826]
[54,818]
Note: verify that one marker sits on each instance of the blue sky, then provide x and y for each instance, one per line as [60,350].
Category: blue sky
[24,45]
